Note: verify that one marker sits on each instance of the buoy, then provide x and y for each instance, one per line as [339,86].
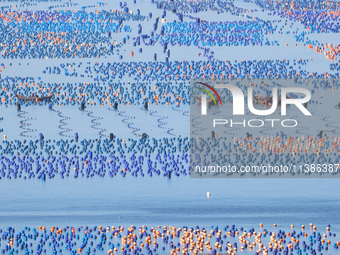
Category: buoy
[208,194]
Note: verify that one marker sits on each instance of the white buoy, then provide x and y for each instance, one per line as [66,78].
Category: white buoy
[208,194]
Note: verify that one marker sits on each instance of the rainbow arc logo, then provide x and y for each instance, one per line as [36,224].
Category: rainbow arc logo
[209,93]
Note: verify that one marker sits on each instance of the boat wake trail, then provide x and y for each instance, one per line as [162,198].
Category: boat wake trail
[63,124]
[162,125]
[95,122]
[196,127]
[184,113]
[25,125]
[127,120]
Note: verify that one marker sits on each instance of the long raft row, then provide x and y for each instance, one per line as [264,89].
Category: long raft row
[151,157]
[153,82]
[62,34]
[272,144]
[167,240]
